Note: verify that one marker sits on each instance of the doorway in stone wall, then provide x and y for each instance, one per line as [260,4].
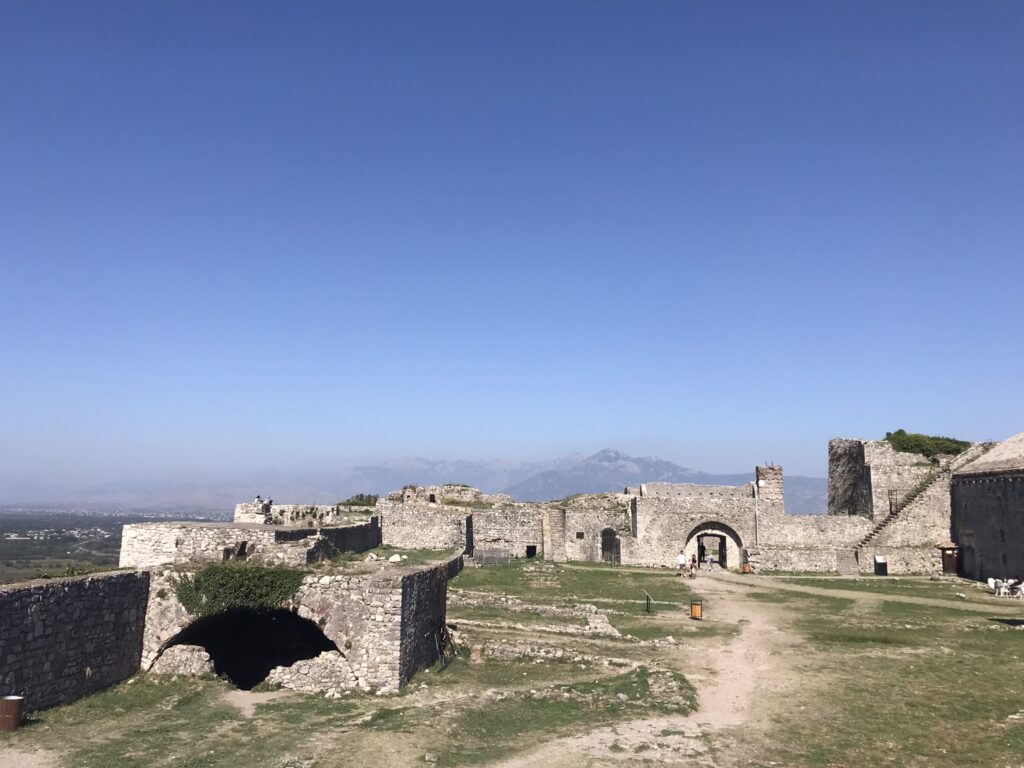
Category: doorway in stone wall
[610,547]
[713,539]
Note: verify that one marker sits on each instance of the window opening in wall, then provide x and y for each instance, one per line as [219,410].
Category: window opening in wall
[432,499]
[531,550]
[579,534]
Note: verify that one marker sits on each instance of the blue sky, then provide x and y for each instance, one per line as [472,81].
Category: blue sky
[294,236]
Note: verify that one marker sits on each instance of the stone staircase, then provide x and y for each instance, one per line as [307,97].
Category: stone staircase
[939,475]
[846,562]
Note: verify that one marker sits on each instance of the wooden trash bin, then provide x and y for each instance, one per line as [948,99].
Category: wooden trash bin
[11,710]
[746,567]
[697,610]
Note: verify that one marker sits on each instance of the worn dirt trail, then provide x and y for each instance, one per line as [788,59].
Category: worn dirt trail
[730,677]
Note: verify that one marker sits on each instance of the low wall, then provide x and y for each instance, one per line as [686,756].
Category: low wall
[903,560]
[307,515]
[765,559]
[63,639]
[150,545]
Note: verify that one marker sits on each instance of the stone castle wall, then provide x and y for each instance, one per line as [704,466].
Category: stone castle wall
[988,524]
[513,528]
[149,545]
[849,489]
[307,515]
[65,638]
[423,526]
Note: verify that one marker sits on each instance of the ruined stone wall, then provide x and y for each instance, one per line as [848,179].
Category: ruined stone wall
[988,524]
[802,531]
[666,521]
[513,528]
[383,622]
[308,515]
[422,526]
[849,489]
[590,521]
[65,638]
[925,520]
[149,545]
[771,496]
[902,560]
[768,558]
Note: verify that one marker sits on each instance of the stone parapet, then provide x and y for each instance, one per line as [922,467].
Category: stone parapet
[62,639]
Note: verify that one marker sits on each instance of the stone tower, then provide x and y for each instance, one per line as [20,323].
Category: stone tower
[769,487]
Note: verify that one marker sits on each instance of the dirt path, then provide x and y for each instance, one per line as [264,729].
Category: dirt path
[729,676]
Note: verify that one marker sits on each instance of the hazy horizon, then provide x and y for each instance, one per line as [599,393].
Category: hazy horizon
[334,234]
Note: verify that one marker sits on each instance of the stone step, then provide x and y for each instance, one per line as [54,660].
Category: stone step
[846,562]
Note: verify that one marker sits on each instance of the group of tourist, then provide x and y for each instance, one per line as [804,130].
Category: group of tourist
[259,500]
[691,567]
[1010,588]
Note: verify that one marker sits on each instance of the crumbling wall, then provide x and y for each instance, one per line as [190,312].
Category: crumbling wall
[308,515]
[385,624]
[149,545]
[65,638]
[849,488]
[666,520]
[422,526]
[512,528]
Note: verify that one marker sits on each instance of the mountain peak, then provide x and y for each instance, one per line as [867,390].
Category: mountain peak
[610,454]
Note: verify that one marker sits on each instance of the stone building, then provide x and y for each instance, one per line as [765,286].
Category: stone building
[988,512]
[884,505]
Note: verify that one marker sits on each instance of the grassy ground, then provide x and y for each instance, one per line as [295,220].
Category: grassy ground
[879,682]
[900,684]
[946,589]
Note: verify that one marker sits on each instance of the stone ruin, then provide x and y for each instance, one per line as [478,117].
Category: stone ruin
[370,625]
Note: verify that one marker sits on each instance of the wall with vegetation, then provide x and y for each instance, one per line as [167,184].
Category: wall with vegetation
[65,638]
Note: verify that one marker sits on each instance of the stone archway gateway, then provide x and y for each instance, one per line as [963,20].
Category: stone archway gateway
[714,539]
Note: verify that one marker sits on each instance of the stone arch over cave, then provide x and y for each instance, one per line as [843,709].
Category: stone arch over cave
[714,538]
[245,645]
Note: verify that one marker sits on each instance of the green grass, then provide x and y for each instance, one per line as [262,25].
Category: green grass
[903,684]
[909,587]
[482,734]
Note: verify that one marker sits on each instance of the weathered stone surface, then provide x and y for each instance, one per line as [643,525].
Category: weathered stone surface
[191,660]
[148,545]
[64,638]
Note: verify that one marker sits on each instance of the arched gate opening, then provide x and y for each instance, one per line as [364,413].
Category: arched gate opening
[714,540]
[245,645]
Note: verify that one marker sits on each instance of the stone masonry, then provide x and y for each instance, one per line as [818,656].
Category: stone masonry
[62,639]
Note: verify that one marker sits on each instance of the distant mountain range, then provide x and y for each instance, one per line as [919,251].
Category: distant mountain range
[607,470]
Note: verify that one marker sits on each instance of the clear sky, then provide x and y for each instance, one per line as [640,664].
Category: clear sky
[299,235]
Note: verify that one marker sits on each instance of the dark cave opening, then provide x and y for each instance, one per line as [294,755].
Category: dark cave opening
[245,645]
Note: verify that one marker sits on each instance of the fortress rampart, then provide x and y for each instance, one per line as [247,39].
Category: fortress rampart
[62,639]
[147,545]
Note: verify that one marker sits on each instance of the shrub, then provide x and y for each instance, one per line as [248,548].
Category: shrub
[236,585]
[926,445]
[359,500]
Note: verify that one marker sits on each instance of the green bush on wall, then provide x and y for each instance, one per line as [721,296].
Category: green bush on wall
[236,585]
[926,445]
